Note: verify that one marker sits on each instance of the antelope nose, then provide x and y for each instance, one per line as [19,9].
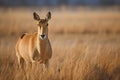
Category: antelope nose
[43,36]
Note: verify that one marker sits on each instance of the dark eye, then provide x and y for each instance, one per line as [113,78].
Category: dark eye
[47,24]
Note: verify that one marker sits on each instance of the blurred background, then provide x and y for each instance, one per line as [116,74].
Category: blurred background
[56,3]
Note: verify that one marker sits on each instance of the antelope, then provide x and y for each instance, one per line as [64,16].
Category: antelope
[35,47]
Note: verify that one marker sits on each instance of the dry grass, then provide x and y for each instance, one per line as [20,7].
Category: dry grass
[86,44]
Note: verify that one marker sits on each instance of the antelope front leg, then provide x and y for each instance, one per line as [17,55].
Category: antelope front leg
[46,65]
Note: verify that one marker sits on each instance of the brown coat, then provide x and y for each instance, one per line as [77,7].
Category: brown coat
[35,47]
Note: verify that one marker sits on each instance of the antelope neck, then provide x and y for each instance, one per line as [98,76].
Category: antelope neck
[41,44]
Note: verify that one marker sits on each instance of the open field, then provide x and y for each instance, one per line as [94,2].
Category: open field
[85,43]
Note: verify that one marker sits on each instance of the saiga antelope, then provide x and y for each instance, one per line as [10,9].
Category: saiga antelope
[35,47]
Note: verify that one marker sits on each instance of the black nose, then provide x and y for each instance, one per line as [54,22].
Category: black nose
[43,36]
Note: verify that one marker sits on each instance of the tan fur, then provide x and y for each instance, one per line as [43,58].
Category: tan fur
[30,48]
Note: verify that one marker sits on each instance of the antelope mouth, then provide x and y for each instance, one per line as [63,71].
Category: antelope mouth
[43,36]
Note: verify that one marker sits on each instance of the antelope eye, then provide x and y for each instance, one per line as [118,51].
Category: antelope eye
[47,24]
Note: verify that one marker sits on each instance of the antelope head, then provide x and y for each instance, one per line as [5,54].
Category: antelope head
[42,25]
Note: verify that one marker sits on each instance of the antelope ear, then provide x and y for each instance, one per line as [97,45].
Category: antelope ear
[48,16]
[36,16]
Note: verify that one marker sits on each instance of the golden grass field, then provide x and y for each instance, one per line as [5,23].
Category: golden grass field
[85,43]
